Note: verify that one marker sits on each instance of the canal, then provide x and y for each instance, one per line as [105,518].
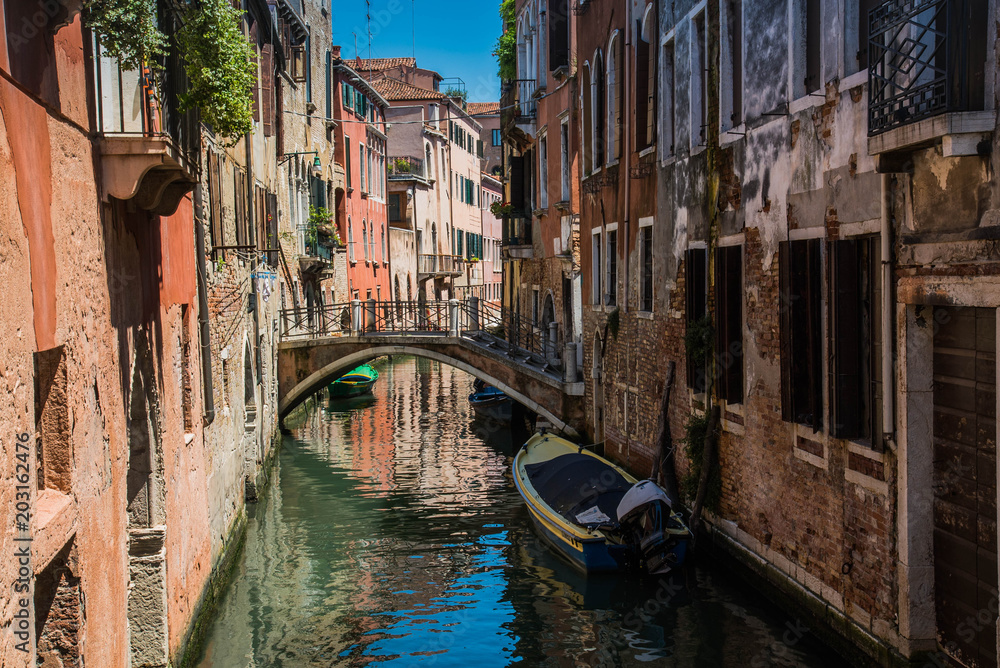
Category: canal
[392,535]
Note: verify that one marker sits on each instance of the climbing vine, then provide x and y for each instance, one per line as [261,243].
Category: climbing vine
[698,341]
[127,28]
[506,45]
[218,59]
[219,62]
[695,435]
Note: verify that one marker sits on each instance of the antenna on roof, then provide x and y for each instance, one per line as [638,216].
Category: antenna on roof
[368,3]
[413,25]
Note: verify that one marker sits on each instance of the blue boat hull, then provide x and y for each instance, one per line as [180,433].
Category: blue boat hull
[596,556]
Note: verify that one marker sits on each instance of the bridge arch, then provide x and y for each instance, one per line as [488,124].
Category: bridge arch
[316,380]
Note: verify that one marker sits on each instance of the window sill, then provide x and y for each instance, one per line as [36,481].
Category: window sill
[647,151]
[669,160]
[733,135]
[804,437]
[612,163]
[808,101]
[645,315]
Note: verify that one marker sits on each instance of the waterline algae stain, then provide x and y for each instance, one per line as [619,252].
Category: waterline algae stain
[394,536]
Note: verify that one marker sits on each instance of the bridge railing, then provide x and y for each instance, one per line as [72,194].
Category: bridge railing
[496,327]
[409,316]
[324,320]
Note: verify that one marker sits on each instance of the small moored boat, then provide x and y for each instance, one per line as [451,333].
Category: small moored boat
[595,513]
[489,401]
[354,384]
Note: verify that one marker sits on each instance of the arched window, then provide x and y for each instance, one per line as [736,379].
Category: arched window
[614,121]
[597,109]
[645,83]
[364,239]
[350,241]
[428,160]
[371,242]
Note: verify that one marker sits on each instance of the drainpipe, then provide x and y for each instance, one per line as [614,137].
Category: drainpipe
[208,390]
[888,348]
[625,147]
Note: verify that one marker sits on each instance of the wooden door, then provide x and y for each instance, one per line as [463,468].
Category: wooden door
[965,494]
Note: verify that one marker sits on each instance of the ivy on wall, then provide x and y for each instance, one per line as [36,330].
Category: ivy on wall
[218,59]
[506,45]
[219,63]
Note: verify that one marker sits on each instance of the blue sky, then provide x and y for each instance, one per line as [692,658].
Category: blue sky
[454,38]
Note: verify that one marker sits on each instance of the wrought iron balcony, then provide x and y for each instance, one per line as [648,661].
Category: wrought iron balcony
[517,102]
[149,148]
[927,57]
[516,231]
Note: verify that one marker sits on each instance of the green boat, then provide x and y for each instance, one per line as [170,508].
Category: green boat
[355,383]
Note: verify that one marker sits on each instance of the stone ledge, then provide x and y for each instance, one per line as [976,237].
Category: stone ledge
[826,621]
[55,525]
[956,130]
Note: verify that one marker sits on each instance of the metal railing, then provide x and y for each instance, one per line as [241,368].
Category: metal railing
[490,325]
[406,166]
[133,103]
[517,100]
[516,231]
[437,264]
[923,56]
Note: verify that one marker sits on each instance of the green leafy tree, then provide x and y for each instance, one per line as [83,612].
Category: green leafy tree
[220,68]
[128,30]
[506,45]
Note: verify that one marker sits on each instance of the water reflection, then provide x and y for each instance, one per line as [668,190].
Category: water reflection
[393,535]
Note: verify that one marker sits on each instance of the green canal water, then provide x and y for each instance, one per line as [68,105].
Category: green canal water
[393,536]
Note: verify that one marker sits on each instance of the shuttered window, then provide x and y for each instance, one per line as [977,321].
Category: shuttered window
[267,88]
[646,283]
[801,332]
[729,323]
[696,302]
[855,386]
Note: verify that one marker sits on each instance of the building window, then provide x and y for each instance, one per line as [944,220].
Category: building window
[496,138]
[696,311]
[393,208]
[347,160]
[614,98]
[361,161]
[596,267]
[729,322]
[364,239]
[645,83]
[806,47]
[597,113]
[350,242]
[543,172]
[646,270]
[667,121]
[856,38]
[329,86]
[801,332]
[611,262]
[564,161]
[534,307]
[732,58]
[699,90]
[855,324]
[384,254]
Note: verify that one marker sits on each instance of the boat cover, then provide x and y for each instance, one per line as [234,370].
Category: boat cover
[573,483]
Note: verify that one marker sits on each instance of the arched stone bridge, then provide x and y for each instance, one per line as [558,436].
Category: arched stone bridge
[321,345]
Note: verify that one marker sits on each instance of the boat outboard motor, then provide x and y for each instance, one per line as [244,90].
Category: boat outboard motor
[646,521]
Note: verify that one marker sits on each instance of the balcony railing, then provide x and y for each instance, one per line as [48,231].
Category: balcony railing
[406,166]
[518,101]
[438,265]
[150,149]
[516,231]
[926,58]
